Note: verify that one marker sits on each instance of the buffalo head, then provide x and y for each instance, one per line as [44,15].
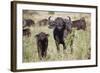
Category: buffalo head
[60,23]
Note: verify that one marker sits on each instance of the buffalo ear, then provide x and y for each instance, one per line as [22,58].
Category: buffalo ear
[47,35]
[52,25]
[36,35]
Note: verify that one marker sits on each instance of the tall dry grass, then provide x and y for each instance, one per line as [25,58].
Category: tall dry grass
[81,40]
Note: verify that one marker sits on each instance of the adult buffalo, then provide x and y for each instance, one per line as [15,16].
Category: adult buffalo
[28,22]
[43,22]
[79,24]
[59,26]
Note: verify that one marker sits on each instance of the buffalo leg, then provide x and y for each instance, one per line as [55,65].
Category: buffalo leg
[71,46]
[42,54]
[45,53]
[57,45]
[39,53]
[64,46]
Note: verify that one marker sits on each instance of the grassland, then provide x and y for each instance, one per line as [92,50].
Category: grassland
[81,41]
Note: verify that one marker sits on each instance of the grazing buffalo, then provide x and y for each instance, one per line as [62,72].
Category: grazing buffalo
[60,25]
[43,22]
[79,24]
[42,44]
[28,22]
[26,32]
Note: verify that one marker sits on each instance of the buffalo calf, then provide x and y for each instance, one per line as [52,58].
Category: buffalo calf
[42,44]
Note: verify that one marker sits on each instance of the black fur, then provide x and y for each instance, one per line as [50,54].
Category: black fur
[59,37]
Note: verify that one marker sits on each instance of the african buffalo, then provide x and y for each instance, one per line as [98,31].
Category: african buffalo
[79,24]
[60,25]
[43,22]
[42,44]
[28,22]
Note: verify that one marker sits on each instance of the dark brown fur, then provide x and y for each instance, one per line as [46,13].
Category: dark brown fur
[43,22]
[28,22]
[79,24]
[42,44]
